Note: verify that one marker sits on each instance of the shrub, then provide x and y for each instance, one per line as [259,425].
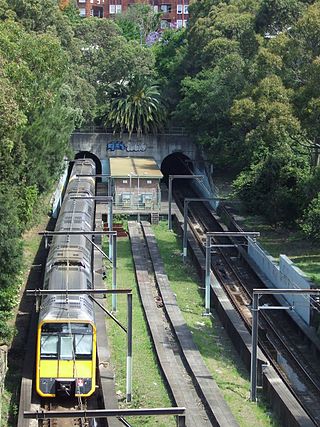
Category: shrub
[311,223]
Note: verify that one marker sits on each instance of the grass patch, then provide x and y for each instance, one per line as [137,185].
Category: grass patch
[303,252]
[214,344]
[148,389]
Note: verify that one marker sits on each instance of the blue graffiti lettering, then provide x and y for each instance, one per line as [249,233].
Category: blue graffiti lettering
[136,147]
[116,145]
[130,147]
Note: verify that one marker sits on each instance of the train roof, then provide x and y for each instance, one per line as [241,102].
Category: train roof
[77,307]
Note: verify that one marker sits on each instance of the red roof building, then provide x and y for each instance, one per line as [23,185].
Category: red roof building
[175,12]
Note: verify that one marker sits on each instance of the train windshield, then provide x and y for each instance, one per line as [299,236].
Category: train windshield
[66,341]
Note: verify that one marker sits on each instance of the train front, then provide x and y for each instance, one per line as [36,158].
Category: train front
[66,359]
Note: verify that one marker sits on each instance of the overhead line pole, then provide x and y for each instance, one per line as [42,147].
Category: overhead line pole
[257,293]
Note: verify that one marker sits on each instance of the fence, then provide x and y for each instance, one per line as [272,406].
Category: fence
[172,130]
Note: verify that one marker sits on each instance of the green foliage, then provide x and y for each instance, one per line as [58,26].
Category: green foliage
[205,105]
[276,15]
[138,21]
[108,58]
[311,224]
[273,187]
[10,254]
[28,196]
[250,95]
[170,55]
[135,105]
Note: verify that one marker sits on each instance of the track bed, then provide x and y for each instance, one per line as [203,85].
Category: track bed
[188,378]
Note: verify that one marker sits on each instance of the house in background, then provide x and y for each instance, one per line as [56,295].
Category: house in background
[135,184]
[174,12]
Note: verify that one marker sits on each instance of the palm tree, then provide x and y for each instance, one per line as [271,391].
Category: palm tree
[135,105]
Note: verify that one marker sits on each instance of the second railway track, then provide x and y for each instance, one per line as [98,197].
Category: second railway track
[278,334]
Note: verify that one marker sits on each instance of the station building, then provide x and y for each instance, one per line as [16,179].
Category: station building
[175,13]
[135,184]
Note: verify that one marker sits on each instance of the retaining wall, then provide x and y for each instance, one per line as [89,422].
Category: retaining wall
[286,276]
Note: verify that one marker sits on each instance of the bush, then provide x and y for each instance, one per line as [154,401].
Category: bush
[10,255]
[311,223]
[273,188]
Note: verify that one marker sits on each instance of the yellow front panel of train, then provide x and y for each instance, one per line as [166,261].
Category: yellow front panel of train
[66,369]
[48,369]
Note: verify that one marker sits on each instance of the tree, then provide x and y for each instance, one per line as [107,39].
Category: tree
[205,108]
[106,57]
[273,187]
[227,28]
[170,56]
[311,224]
[276,16]
[138,21]
[135,105]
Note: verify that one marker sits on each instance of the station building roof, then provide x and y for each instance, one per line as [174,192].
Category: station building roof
[142,167]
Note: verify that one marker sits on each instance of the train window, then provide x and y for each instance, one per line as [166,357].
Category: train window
[67,328]
[49,346]
[66,348]
[83,346]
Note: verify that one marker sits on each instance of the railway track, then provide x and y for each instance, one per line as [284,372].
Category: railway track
[68,406]
[279,336]
[189,381]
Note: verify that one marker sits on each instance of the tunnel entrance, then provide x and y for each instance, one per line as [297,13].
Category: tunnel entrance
[176,164]
[88,155]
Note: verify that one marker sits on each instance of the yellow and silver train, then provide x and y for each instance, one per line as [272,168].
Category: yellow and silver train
[66,336]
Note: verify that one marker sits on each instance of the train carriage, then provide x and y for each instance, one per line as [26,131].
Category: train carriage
[66,336]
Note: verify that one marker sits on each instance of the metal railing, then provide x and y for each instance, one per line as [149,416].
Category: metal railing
[137,206]
[171,130]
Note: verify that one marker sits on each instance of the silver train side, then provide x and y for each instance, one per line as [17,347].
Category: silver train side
[66,336]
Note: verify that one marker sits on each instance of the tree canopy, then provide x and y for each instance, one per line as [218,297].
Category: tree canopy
[248,91]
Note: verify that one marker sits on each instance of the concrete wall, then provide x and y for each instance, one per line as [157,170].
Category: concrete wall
[105,145]
[286,276]
[205,187]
